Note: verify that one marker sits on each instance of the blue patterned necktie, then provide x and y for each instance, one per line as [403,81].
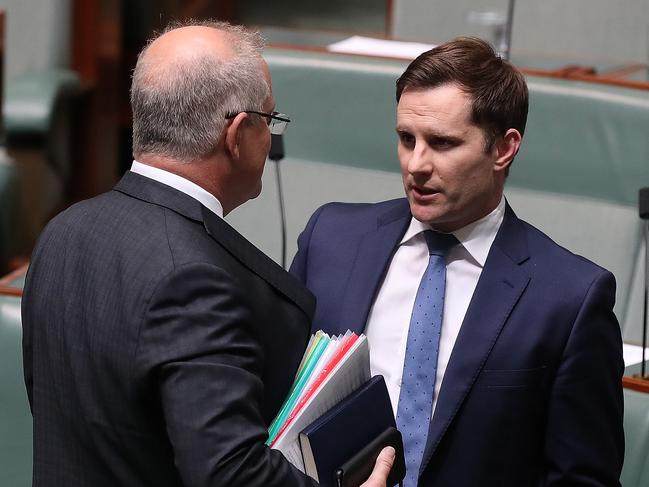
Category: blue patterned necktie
[420,365]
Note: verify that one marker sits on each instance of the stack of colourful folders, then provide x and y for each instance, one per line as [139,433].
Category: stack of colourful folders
[331,369]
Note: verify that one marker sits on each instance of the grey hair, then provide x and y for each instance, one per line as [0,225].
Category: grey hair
[180,108]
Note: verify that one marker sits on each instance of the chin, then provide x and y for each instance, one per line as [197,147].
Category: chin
[425,214]
[424,218]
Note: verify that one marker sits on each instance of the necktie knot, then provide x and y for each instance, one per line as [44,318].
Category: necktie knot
[439,243]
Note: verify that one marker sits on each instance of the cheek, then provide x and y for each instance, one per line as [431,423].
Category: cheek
[469,182]
[404,172]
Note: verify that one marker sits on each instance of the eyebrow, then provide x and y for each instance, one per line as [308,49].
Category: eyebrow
[433,133]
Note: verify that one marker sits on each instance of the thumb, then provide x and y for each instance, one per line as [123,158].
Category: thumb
[382,468]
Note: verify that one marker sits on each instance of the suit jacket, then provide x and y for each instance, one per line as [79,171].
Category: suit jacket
[158,345]
[532,393]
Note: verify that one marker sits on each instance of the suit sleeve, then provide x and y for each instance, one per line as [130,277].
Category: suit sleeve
[584,437]
[28,345]
[197,352]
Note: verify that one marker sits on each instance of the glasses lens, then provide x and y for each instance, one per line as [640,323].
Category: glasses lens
[277,127]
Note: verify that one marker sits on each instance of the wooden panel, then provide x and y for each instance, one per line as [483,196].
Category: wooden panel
[389,17]
[96,55]
[2,63]
[84,39]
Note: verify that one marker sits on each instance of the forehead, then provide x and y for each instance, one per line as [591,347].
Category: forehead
[446,104]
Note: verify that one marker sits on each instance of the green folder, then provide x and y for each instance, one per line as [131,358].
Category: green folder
[298,386]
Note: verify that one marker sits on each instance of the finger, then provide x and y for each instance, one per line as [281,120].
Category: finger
[382,468]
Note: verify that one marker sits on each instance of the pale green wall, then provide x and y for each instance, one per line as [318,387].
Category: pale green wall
[598,30]
[37,35]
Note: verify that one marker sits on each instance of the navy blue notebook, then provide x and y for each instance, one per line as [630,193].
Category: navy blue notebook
[344,430]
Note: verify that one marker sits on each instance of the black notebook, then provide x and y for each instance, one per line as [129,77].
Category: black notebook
[345,430]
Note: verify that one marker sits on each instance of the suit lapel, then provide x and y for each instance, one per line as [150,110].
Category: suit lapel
[500,286]
[374,253]
[149,190]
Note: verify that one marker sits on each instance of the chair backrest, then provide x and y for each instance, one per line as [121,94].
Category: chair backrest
[15,418]
[636,434]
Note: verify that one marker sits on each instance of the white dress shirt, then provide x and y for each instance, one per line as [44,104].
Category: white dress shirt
[181,184]
[389,318]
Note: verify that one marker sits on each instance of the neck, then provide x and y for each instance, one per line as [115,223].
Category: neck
[202,172]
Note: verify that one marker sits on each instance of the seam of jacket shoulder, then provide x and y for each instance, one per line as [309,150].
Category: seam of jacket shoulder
[145,312]
[316,216]
[164,216]
[163,281]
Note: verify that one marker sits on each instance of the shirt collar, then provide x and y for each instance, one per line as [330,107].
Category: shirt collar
[181,184]
[475,237]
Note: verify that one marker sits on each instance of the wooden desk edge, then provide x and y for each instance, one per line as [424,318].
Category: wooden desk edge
[636,384]
[5,289]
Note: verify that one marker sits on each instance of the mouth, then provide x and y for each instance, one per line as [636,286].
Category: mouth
[422,193]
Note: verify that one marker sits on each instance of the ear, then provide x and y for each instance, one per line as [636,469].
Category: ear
[233,134]
[506,148]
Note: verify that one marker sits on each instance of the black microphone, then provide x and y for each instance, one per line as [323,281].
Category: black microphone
[643,203]
[643,210]
[276,154]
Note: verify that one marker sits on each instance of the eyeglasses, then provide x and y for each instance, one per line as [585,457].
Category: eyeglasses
[276,121]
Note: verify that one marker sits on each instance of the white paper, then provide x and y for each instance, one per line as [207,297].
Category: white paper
[380,47]
[633,354]
[293,454]
[351,373]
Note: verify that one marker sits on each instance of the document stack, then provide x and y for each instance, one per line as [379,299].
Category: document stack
[331,369]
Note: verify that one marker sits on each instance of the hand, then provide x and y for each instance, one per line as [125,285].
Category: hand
[382,468]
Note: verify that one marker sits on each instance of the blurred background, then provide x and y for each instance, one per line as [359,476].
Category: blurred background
[65,135]
[67,64]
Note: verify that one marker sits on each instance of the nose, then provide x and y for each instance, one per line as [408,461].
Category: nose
[421,161]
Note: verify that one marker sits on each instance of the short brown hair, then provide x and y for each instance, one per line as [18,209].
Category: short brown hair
[497,89]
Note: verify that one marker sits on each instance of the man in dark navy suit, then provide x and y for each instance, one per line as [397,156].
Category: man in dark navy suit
[500,348]
[158,342]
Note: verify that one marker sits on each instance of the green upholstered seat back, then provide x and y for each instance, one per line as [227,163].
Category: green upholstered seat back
[585,140]
[15,418]
[8,206]
[636,434]
[343,108]
[581,139]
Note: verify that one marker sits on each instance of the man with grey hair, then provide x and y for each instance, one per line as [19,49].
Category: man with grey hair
[158,342]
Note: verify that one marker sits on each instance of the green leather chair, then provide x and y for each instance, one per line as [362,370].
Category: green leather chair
[38,113]
[15,417]
[8,204]
[636,433]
